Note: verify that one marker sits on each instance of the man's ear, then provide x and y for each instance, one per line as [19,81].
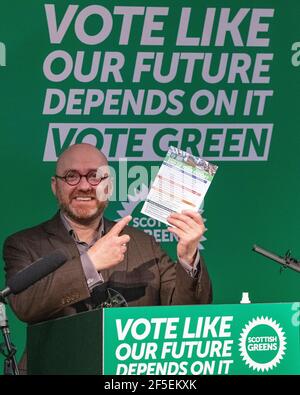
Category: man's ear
[53,185]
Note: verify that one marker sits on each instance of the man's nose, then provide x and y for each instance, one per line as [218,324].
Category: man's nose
[84,184]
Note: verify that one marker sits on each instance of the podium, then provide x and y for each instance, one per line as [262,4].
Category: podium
[242,339]
[68,345]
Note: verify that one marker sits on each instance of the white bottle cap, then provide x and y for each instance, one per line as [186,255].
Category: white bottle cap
[245,298]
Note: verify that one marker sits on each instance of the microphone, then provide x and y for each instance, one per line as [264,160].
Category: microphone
[286,261]
[114,299]
[34,272]
[102,296]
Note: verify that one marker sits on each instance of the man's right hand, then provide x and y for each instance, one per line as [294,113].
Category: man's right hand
[110,249]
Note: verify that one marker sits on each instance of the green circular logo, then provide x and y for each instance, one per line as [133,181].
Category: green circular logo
[262,344]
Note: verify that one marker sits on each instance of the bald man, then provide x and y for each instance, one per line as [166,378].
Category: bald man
[102,253]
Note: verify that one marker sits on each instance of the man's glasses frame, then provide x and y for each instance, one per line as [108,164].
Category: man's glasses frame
[73,177]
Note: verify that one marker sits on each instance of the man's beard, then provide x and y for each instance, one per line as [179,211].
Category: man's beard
[83,216]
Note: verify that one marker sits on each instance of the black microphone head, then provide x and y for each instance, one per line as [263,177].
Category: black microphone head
[36,271]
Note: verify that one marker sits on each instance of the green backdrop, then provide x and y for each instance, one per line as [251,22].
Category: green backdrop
[201,62]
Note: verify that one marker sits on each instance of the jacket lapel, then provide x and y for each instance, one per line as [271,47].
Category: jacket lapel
[59,237]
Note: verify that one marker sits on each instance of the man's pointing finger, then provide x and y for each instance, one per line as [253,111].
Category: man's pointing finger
[118,227]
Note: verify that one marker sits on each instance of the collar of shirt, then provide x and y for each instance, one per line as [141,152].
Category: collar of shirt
[73,234]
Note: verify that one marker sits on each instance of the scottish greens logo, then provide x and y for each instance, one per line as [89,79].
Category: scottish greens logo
[262,344]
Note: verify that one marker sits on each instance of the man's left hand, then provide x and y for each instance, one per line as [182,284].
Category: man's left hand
[189,227]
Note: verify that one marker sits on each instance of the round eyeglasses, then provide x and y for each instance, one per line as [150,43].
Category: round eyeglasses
[73,177]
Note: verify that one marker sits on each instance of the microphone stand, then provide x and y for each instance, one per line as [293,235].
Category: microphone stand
[7,348]
[286,261]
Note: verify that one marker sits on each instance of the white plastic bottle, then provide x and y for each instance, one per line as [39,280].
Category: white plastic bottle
[245,298]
